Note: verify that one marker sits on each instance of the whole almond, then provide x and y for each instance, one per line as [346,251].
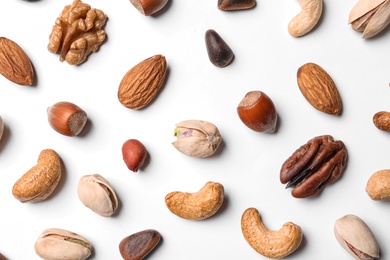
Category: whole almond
[319,89]
[141,83]
[14,63]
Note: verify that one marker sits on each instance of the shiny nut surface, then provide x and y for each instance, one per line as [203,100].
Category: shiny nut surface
[197,138]
[314,165]
[378,185]
[148,7]
[41,180]
[356,237]
[270,243]
[67,118]
[60,244]
[257,111]
[138,245]
[134,154]
[96,193]
[198,205]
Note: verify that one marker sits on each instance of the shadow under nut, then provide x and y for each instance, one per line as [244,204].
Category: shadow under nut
[41,180]
[269,243]
[199,205]
[307,18]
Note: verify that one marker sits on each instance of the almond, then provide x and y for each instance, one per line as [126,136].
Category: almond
[141,83]
[14,63]
[319,89]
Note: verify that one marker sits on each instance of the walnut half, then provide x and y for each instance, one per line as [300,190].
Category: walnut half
[77,32]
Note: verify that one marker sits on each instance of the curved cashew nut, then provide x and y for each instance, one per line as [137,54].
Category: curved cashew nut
[198,205]
[272,244]
[41,180]
[305,21]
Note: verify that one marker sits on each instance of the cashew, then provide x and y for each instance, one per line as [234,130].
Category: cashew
[41,180]
[199,205]
[304,22]
[272,244]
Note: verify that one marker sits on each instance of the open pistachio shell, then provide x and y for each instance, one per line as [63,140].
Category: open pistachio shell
[60,244]
[96,193]
[356,237]
[197,138]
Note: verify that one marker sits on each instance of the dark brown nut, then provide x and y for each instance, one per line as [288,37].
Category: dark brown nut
[257,111]
[232,5]
[220,54]
[138,245]
[382,121]
[314,165]
[2,257]
[77,32]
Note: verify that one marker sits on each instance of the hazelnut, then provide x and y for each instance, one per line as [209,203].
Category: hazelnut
[257,111]
[67,118]
[148,7]
[134,154]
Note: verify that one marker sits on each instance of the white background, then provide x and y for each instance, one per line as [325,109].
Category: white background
[247,163]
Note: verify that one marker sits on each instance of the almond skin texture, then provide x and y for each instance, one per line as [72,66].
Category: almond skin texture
[141,83]
[257,111]
[134,154]
[14,63]
[319,89]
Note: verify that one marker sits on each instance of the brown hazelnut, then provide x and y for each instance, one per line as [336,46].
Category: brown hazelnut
[149,7]
[257,111]
[134,154]
[66,118]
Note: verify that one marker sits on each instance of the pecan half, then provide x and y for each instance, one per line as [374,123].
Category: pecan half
[77,32]
[314,165]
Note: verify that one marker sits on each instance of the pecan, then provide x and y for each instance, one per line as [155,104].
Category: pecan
[314,165]
[77,32]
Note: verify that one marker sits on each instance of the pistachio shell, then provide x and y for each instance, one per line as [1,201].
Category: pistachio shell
[362,7]
[60,244]
[378,21]
[197,138]
[356,237]
[96,193]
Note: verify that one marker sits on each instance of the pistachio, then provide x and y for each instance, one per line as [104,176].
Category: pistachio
[55,243]
[197,138]
[370,16]
[96,193]
[356,237]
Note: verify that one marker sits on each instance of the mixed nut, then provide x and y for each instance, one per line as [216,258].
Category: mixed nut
[78,32]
